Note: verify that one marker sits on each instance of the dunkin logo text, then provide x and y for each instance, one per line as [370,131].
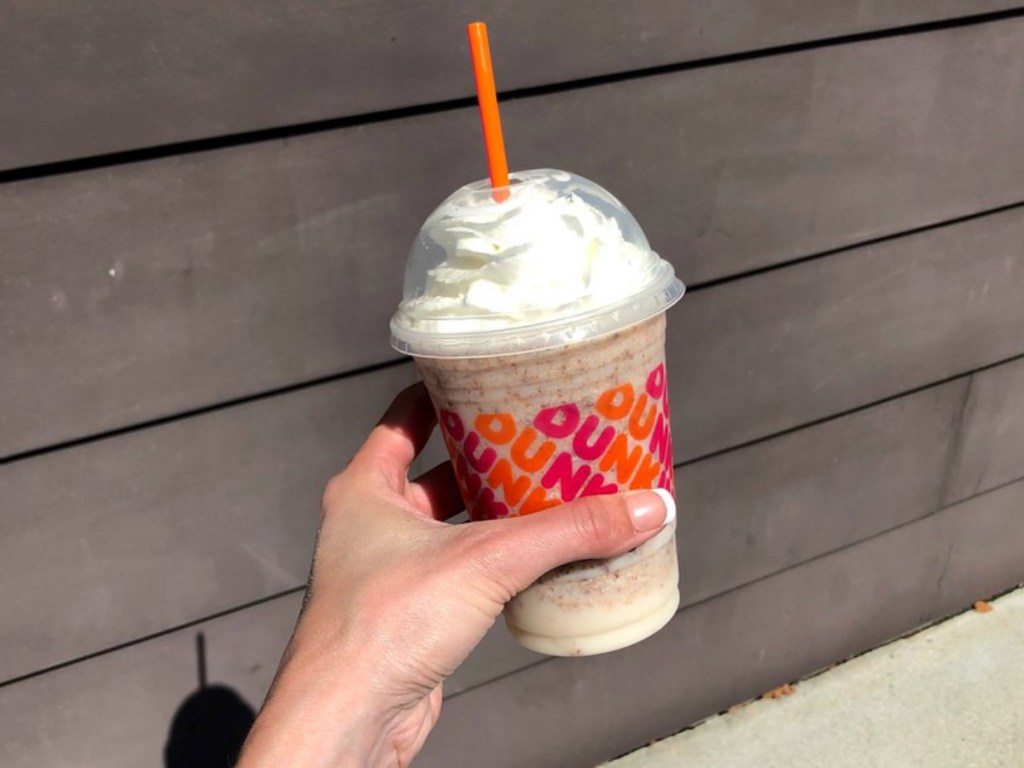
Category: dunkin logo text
[507,468]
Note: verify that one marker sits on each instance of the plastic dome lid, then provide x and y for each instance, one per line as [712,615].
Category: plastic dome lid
[560,260]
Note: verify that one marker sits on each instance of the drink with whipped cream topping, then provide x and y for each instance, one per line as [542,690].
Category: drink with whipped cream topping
[538,325]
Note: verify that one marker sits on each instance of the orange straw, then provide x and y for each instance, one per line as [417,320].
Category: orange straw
[487,96]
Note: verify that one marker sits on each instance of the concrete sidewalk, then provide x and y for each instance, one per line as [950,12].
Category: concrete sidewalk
[950,696]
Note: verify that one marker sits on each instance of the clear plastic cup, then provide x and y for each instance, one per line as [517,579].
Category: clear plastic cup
[538,326]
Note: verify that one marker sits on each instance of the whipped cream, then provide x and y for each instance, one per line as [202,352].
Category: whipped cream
[545,250]
[540,263]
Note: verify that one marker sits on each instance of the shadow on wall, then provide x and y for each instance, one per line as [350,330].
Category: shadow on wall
[210,725]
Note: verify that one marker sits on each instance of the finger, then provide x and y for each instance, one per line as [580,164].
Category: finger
[426,710]
[400,434]
[518,551]
[436,699]
[436,492]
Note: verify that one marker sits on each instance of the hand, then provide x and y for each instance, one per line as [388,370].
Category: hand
[398,598]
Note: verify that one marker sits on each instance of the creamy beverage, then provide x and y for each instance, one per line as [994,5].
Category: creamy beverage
[538,325]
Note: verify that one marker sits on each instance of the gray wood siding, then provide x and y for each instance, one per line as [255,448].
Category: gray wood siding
[138,291]
[991,451]
[116,709]
[771,352]
[88,78]
[193,337]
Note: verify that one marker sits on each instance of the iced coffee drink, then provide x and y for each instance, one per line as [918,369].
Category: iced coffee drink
[538,325]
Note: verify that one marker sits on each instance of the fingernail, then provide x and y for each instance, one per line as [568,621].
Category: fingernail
[651,509]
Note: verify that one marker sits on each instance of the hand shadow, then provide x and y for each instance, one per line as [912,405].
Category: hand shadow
[210,726]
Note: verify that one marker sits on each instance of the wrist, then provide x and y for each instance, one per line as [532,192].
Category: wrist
[316,718]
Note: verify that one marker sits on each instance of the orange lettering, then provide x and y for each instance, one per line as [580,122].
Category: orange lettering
[646,475]
[637,428]
[537,501]
[521,447]
[622,458]
[499,428]
[615,403]
[512,487]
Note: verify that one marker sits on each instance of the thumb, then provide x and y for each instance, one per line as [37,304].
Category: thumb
[518,551]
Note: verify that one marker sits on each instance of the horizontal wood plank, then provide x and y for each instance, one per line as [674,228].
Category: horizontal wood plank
[93,78]
[991,450]
[143,290]
[116,710]
[578,712]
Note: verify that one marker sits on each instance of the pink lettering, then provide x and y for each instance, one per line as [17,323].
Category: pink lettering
[469,482]
[485,460]
[489,508]
[661,441]
[558,421]
[451,423]
[591,451]
[656,382]
[665,480]
[597,486]
[561,472]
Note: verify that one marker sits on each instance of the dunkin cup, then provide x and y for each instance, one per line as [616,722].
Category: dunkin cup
[538,324]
